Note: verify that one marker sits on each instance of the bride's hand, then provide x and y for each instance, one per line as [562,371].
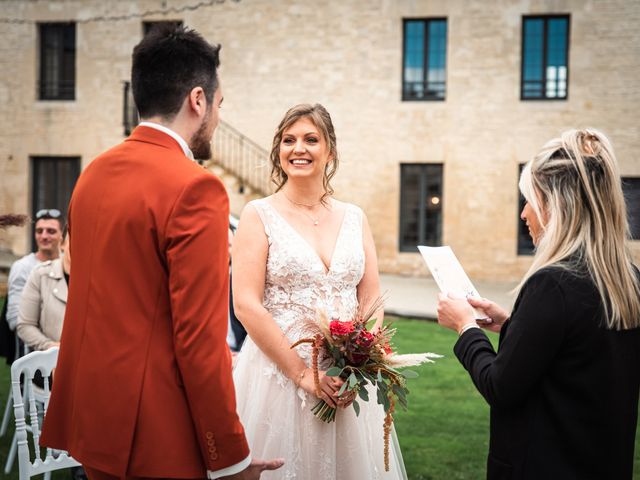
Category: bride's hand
[328,386]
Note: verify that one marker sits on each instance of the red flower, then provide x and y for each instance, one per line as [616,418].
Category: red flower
[365,339]
[341,328]
[387,349]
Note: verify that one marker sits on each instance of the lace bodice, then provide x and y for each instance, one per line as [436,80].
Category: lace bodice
[297,282]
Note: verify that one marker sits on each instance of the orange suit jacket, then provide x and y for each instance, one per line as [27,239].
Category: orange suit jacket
[143,383]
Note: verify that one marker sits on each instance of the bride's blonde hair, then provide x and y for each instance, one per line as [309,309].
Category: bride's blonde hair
[575,180]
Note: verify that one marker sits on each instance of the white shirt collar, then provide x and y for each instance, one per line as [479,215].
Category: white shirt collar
[185,148]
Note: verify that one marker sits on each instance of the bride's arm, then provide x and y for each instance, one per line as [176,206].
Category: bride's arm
[369,286]
[249,262]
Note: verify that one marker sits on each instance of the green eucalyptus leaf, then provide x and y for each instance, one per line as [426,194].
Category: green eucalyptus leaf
[356,407]
[409,374]
[363,394]
[343,388]
[334,372]
[353,381]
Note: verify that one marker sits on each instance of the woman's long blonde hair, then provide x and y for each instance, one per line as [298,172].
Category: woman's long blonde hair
[575,181]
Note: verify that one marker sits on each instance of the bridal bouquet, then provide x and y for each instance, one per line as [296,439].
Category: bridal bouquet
[361,357]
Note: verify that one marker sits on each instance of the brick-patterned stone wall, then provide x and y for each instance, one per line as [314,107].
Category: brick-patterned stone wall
[347,55]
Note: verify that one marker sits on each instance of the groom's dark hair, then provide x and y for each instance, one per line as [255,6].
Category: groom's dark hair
[167,64]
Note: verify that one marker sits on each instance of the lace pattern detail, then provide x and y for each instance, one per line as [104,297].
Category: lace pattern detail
[297,282]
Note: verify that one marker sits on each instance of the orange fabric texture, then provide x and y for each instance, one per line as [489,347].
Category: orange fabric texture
[143,383]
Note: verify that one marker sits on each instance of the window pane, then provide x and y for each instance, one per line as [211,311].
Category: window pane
[420,206]
[57,61]
[425,52]
[432,201]
[410,206]
[631,189]
[544,57]
[414,58]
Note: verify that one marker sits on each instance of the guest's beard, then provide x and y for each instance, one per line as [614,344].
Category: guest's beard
[200,144]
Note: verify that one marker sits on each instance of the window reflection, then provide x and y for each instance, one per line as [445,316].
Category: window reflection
[544,57]
[425,50]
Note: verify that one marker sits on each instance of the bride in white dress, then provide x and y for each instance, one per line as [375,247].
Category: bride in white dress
[295,252]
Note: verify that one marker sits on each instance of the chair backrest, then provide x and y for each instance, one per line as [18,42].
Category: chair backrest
[26,393]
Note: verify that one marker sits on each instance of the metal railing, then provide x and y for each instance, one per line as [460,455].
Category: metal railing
[242,157]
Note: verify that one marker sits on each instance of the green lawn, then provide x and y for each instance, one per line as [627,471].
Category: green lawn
[443,435]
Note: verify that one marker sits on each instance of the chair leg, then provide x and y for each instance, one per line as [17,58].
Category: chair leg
[7,415]
[47,476]
[12,454]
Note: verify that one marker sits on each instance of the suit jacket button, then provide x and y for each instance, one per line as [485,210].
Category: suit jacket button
[209,435]
[214,456]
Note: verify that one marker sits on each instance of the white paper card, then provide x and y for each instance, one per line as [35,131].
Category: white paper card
[449,274]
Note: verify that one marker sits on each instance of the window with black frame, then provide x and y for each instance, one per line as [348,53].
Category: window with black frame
[424,72]
[53,179]
[545,57]
[631,190]
[525,243]
[420,205]
[57,61]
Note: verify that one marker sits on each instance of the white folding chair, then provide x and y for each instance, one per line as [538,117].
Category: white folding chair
[37,399]
[4,426]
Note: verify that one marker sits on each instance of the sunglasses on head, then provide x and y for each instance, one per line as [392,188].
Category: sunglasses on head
[48,213]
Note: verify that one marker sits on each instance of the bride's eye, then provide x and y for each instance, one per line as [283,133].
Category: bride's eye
[312,140]
[287,141]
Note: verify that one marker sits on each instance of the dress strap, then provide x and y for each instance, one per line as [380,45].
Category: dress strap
[260,205]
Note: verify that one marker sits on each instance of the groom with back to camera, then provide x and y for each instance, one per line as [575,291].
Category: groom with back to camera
[143,384]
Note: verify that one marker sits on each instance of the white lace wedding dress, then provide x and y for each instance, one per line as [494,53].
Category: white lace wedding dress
[276,415]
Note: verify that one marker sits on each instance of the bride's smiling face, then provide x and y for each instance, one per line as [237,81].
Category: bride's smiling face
[303,150]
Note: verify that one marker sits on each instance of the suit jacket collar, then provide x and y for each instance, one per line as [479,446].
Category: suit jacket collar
[155,137]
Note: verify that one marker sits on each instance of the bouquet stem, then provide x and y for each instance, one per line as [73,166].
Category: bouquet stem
[324,412]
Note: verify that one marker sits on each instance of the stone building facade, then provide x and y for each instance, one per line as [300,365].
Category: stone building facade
[350,56]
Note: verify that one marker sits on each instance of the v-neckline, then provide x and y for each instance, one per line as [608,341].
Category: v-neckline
[326,269]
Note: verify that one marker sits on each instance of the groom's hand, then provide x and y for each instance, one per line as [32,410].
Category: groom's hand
[253,471]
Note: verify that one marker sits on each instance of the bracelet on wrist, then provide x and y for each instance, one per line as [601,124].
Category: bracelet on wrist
[300,376]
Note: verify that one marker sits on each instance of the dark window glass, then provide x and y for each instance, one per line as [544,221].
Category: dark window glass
[57,61]
[545,66]
[525,243]
[631,189]
[53,179]
[420,205]
[424,73]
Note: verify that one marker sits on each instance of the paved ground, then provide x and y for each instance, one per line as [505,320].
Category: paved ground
[417,297]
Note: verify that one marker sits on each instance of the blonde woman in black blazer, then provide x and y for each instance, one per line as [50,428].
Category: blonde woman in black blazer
[563,386]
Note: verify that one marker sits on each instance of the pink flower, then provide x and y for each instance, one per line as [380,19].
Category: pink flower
[336,327]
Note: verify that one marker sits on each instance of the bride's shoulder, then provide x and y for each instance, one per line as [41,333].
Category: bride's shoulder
[346,206]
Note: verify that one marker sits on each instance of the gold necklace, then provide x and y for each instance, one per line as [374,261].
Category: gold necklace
[314,220]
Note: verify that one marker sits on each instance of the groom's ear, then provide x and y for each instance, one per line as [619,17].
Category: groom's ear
[197,101]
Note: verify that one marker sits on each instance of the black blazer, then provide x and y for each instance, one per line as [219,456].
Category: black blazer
[563,389]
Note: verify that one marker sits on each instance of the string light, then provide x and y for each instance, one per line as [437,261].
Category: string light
[120,18]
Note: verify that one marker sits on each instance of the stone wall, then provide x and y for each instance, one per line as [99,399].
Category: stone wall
[347,55]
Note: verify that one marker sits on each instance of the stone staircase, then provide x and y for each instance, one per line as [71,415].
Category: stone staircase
[243,166]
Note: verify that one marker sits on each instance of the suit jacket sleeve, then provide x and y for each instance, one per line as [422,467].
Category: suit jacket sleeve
[198,265]
[529,341]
